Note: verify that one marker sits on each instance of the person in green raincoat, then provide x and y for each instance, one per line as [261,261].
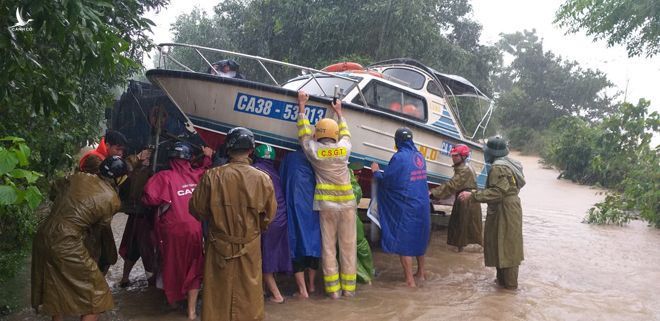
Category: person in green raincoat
[365,261]
[465,225]
[66,279]
[503,240]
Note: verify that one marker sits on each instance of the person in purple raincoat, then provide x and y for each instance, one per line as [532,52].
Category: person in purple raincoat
[275,240]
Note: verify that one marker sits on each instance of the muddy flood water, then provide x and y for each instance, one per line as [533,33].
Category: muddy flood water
[572,271]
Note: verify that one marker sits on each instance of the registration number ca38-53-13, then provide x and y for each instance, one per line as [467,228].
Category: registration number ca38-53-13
[273,108]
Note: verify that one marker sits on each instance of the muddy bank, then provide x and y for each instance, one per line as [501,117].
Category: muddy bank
[572,271]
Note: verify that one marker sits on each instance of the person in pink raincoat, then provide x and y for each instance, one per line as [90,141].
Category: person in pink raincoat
[178,234]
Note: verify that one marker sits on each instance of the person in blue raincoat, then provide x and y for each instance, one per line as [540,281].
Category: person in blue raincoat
[403,205]
[298,183]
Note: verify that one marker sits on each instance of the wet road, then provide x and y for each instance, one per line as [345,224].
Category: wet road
[572,271]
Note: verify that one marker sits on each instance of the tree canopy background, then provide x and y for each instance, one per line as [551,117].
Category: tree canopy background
[632,23]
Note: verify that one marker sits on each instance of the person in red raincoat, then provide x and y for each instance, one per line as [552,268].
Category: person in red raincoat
[178,234]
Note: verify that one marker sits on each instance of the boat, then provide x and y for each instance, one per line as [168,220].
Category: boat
[376,100]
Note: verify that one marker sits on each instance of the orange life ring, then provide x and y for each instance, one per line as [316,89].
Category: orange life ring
[371,72]
[343,66]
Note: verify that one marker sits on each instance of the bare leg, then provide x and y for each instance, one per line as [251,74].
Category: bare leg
[300,281]
[89,317]
[269,280]
[406,263]
[192,303]
[420,268]
[128,266]
[59,317]
[311,275]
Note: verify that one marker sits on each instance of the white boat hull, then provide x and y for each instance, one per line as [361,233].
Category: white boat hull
[219,104]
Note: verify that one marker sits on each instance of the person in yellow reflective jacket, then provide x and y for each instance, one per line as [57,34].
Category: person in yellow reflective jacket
[328,153]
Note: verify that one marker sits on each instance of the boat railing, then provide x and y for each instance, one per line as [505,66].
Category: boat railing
[165,57]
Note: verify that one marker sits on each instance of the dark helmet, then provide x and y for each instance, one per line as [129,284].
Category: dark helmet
[496,146]
[239,138]
[181,150]
[113,137]
[402,134]
[113,167]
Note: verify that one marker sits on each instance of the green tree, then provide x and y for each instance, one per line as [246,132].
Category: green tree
[539,87]
[19,197]
[615,153]
[57,75]
[633,23]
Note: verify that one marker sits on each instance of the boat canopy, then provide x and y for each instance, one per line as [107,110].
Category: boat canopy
[452,84]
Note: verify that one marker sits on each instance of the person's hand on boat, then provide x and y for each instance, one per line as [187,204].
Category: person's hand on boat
[208,152]
[464,196]
[337,107]
[375,167]
[144,156]
[303,97]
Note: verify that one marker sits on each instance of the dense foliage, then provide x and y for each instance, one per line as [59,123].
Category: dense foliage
[615,153]
[57,75]
[633,23]
[19,197]
[539,87]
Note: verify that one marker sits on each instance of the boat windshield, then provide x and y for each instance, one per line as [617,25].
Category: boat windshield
[323,86]
[413,79]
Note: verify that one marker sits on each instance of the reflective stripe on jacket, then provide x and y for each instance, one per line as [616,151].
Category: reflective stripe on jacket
[333,185]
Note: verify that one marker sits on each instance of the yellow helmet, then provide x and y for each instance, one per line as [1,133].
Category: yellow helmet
[326,128]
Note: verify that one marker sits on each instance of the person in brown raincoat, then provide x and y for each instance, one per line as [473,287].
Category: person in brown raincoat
[101,241]
[65,278]
[239,202]
[503,240]
[136,241]
[465,225]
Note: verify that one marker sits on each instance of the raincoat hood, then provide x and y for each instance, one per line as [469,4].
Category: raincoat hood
[515,166]
[180,165]
[406,145]
[102,148]
[101,152]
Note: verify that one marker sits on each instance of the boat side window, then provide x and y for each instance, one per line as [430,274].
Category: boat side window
[412,78]
[433,88]
[325,84]
[392,99]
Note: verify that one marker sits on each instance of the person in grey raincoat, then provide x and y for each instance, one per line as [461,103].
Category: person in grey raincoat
[503,240]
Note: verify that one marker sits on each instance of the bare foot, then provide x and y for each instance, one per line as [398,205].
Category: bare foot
[421,276]
[334,295]
[348,294]
[301,295]
[411,284]
[192,315]
[279,300]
